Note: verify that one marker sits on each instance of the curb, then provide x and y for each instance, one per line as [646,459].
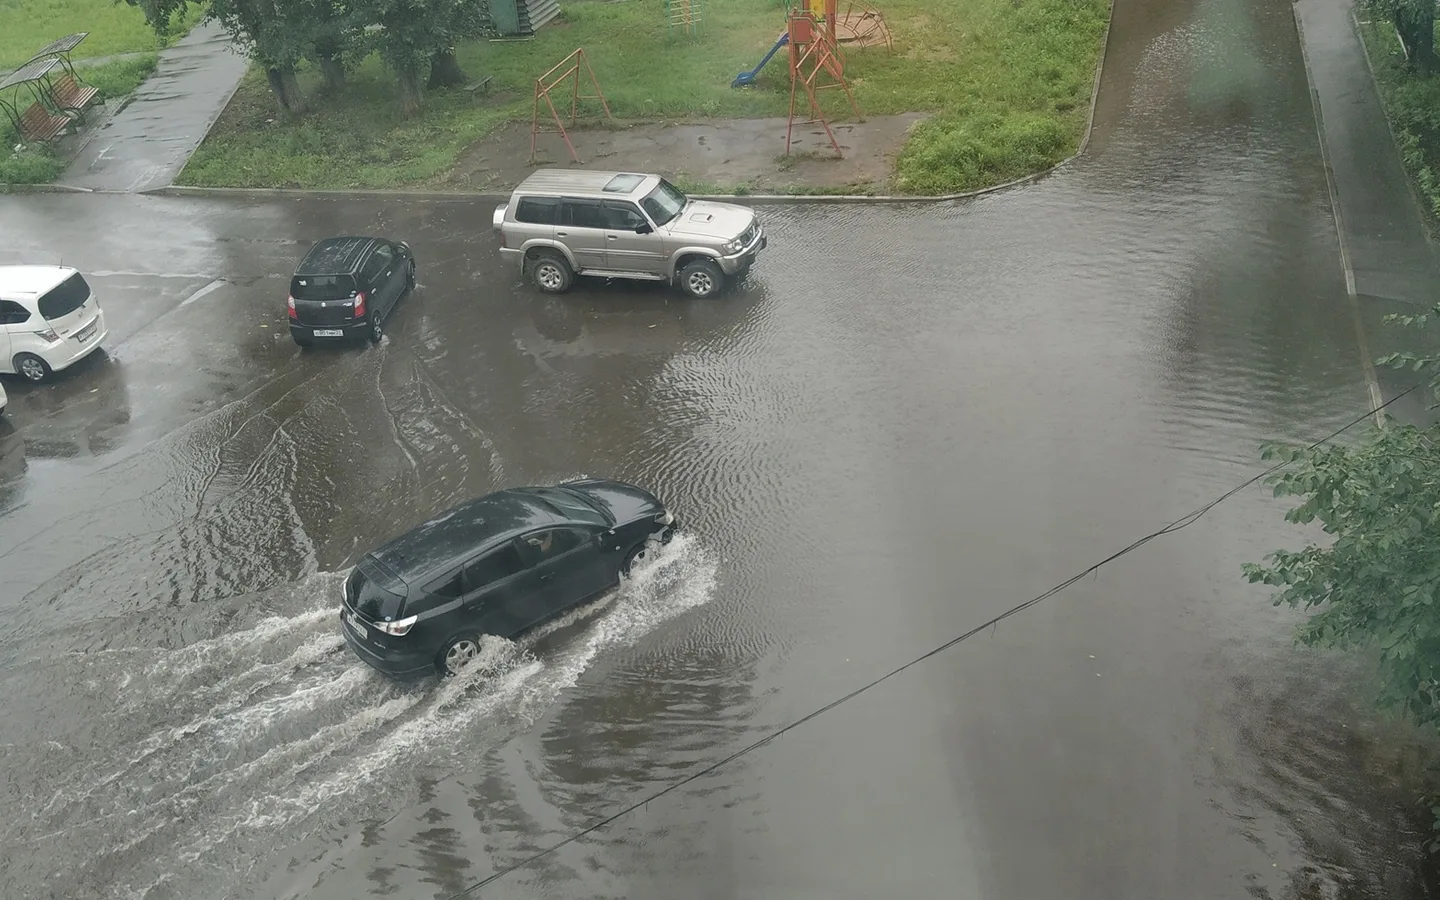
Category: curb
[43,189]
[1367,366]
[1335,210]
[751,199]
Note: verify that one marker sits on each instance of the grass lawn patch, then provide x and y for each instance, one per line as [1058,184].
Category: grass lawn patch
[41,165]
[114,27]
[1412,104]
[1008,81]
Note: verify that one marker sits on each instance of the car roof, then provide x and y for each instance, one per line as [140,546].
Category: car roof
[31,281]
[434,545]
[587,182]
[336,255]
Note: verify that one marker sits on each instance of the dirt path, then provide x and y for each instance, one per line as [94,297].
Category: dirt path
[724,153]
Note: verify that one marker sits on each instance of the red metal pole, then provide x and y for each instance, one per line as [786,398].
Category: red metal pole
[535,120]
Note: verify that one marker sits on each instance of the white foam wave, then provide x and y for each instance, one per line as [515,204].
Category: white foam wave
[507,677]
[334,727]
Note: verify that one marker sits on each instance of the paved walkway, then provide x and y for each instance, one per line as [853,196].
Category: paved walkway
[1382,235]
[147,142]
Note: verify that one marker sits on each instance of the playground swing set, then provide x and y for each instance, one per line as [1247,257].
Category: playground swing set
[815,32]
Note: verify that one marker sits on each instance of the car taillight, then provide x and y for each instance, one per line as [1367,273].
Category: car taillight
[399,629]
[359,304]
[290,305]
[48,335]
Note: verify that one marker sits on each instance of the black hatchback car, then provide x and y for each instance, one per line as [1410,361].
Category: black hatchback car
[496,565]
[346,286]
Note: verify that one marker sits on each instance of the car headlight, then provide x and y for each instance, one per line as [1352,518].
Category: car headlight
[734,246]
[666,518]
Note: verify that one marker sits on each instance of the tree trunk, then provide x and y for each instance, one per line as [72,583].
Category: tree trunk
[412,93]
[445,70]
[286,89]
[1416,25]
[333,69]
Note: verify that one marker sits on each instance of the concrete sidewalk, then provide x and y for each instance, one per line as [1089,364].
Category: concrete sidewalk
[148,141]
[1382,235]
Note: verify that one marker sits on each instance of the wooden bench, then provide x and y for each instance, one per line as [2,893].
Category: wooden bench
[71,94]
[482,86]
[39,124]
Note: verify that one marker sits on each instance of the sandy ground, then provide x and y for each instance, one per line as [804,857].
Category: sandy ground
[728,153]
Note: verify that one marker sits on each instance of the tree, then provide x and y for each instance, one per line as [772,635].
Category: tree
[1414,21]
[337,32]
[1376,583]
[417,36]
[271,32]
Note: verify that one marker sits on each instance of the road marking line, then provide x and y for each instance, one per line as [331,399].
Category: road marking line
[202,292]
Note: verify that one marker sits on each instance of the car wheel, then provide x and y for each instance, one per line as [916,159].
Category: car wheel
[552,274]
[701,279]
[410,278]
[457,653]
[642,551]
[376,331]
[31,367]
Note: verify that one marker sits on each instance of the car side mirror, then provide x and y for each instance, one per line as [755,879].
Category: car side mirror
[643,228]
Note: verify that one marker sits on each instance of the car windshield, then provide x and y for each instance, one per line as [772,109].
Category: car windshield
[66,297]
[374,592]
[665,202]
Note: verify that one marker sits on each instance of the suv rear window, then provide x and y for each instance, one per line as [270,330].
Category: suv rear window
[66,297]
[374,592]
[537,210]
[321,287]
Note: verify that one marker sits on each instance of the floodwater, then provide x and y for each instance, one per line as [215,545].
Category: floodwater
[907,421]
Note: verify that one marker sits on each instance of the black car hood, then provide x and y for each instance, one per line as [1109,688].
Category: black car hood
[624,503]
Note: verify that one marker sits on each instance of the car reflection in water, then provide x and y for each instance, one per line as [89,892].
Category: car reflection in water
[82,411]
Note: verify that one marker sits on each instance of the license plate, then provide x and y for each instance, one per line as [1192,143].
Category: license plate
[329,332]
[87,332]
[354,622]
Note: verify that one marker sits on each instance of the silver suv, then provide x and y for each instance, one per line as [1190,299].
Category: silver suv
[560,223]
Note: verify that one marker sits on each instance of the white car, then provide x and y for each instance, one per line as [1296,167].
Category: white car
[49,320]
[3,401]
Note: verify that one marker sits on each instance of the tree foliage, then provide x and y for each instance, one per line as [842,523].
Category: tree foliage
[1375,582]
[1414,21]
[415,38]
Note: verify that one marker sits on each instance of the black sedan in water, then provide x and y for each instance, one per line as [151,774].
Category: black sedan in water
[496,565]
[345,287]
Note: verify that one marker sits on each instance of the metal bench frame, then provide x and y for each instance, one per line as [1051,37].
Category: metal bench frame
[30,77]
[36,76]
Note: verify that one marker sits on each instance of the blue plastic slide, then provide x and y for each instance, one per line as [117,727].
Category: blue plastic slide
[748,78]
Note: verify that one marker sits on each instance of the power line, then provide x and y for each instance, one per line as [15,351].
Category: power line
[1182,522]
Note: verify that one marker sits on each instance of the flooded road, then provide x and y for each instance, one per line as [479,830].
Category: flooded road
[908,420]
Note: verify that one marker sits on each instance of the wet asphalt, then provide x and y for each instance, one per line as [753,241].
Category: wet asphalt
[906,421]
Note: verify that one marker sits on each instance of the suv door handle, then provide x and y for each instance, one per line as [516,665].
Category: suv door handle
[561,234]
[612,237]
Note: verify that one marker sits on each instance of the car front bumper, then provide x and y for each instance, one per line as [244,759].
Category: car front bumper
[400,666]
[735,262]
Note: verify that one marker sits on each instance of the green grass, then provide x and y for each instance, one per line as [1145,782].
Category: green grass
[1009,82]
[114,27]
[1413,107]
[39,165]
